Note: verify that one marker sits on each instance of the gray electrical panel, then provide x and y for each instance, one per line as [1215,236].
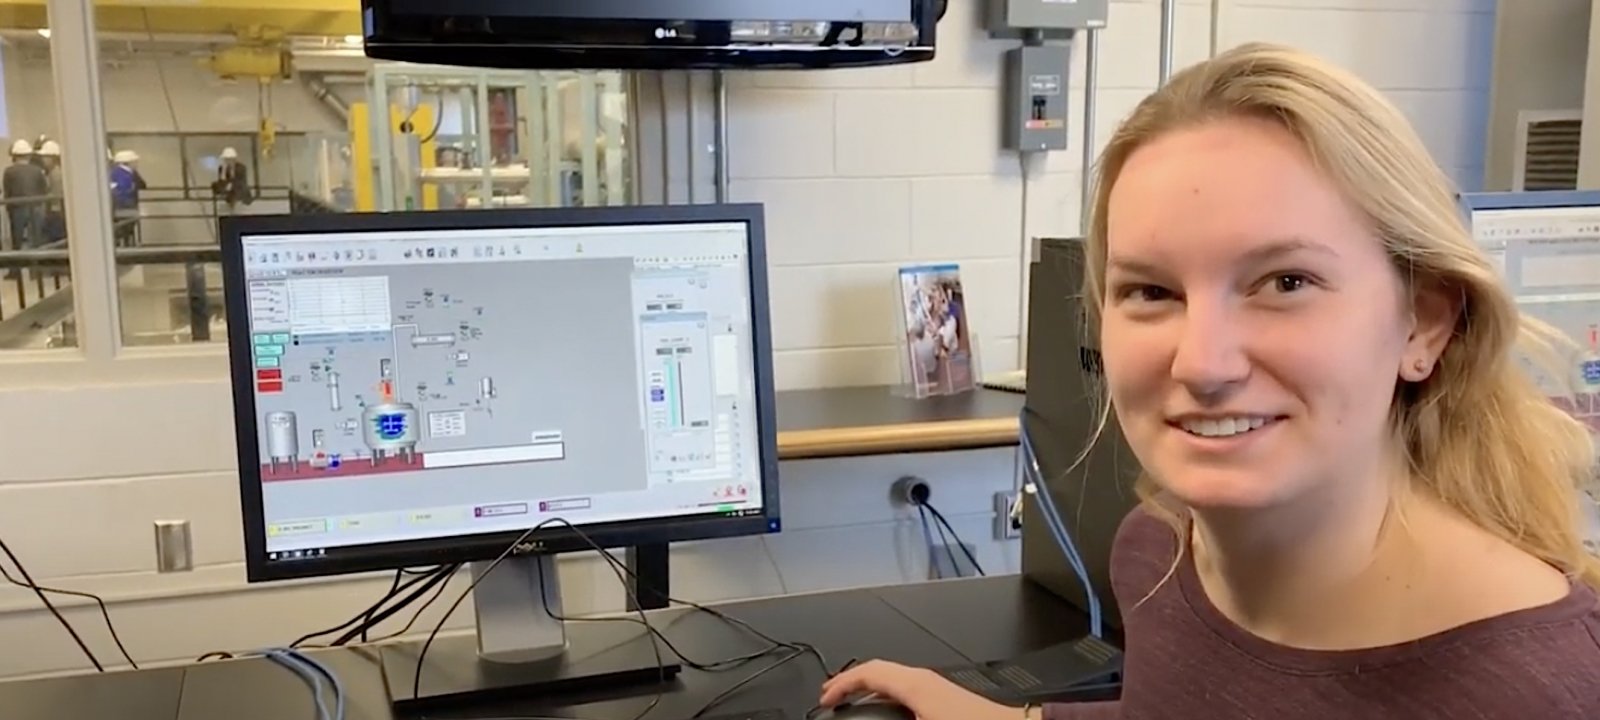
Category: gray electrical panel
[1036,98]
[1013,18]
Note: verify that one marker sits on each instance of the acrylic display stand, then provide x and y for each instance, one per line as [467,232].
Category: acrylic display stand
[917,348]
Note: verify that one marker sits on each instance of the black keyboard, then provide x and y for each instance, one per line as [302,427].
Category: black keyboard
[768,714]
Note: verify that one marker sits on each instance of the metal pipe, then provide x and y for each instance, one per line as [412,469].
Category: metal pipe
[1169,16]
[1215,41]
[323,94]
[199,302]
[1091,82]
[720,118]
[666,139]
[691,128]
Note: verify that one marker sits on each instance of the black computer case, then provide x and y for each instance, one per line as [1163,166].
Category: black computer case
[1063,410]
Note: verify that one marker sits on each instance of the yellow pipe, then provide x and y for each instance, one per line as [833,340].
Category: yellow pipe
[361,157]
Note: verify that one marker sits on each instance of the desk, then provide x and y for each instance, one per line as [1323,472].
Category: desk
[934,624]
[843,422]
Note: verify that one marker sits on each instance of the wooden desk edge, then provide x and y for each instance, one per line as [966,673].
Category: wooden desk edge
[890,439]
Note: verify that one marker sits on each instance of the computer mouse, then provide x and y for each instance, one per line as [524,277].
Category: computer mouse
[867,710]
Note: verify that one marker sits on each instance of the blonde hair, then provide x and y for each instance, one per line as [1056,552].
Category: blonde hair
[1478,434]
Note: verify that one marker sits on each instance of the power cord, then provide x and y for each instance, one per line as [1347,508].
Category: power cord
[915,492]
[418,614]
[394,588]
[40,591]
[927,537]
[718,666]
[1034,485]
[437,581]
[104,611]
[658,639]
[370,617]
[661,664]
[945,525]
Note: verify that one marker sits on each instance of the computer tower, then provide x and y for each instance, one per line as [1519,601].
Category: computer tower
[1063,410]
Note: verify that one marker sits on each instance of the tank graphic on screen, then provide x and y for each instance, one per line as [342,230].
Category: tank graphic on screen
[283,441]
[389,429]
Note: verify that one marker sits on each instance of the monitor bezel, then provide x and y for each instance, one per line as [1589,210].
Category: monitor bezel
[461,549]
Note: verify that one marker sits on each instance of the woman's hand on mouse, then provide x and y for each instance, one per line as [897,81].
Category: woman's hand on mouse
[926,693]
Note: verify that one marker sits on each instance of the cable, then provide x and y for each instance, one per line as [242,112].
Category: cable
[51,607]
[418,614]
[944,540]
[1026,254]
[312,671]
[799,649]
[104,611]
[443,575]
[416,679]
[306,674]
[619,566]
[939,516]
[927,535]
[394,589]
[725,694]
[1052,519]
[658,639]
[366,617]
[716,666]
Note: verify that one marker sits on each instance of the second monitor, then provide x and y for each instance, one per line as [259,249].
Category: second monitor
[424,388]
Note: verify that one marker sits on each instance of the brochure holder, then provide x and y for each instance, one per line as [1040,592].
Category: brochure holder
[937,347]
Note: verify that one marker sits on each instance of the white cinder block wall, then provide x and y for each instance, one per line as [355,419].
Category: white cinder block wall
[865,170]
[861,171]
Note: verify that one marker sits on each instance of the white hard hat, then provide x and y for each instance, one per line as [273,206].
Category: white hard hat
[126,156]
[21,147]
[230,154]
[50,148]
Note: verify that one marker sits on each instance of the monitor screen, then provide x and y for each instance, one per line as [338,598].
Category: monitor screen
[411,388]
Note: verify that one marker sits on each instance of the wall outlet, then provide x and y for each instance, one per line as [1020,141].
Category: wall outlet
[1005,527]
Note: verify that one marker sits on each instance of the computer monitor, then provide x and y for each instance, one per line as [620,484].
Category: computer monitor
[423,388]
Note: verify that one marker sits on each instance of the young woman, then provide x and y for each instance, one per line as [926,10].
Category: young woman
[1360,506]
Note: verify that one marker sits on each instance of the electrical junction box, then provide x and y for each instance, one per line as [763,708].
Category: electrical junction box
[1036,98]
[1013,18]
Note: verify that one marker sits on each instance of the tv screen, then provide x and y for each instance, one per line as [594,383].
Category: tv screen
[831,10]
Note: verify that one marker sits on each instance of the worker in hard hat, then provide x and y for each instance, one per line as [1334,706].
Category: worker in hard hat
[54,225]
[126,184]
[232,186]
[26,188]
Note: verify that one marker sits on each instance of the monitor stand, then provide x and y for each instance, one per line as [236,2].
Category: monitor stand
[520,650]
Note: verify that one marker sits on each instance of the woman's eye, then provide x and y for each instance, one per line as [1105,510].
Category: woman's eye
[1290,282]
[1146,293]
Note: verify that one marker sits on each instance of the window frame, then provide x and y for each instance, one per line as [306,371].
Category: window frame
[674,160]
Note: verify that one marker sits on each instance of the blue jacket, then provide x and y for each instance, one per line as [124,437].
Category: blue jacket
[125,186]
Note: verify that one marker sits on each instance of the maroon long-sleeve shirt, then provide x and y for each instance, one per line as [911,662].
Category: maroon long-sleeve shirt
[1186,661]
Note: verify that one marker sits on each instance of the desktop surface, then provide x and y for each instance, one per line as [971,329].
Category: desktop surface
[984,619]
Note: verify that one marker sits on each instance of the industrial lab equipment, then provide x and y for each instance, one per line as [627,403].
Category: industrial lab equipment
[449,138]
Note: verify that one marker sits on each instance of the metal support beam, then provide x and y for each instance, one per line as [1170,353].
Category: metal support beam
[1169,18]
[651,581]
[74,46]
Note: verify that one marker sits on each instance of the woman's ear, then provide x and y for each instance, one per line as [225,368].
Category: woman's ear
[1435,311]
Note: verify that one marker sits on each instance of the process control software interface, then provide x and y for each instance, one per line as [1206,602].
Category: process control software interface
[418,385]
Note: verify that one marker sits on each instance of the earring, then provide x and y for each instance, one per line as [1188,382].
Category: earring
[1421,365]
